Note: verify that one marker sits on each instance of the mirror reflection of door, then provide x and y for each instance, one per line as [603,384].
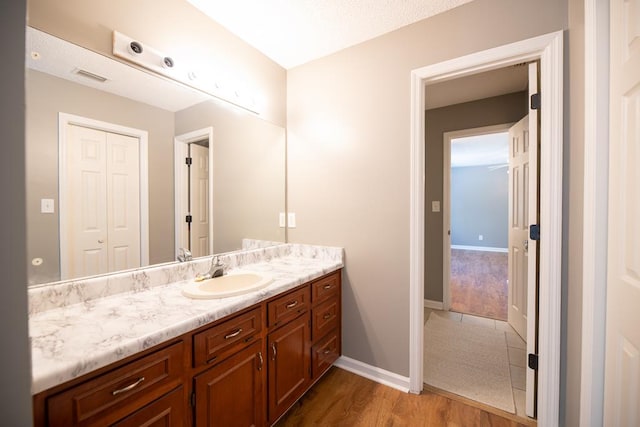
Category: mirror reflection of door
[194,192]
[197,228]
[102,204]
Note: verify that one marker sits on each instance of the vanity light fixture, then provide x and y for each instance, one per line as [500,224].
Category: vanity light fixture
[145,56]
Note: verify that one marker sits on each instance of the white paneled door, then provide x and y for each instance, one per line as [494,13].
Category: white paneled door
[523,251]
[622,357]
[102,220]
[199,200]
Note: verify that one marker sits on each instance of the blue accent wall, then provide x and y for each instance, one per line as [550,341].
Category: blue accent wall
[479,206]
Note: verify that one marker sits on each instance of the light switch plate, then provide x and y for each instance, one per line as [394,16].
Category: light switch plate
[281,220]
[46,206]
[291,220]
[435,206]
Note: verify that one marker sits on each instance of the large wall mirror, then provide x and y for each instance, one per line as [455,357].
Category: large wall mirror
[106,166]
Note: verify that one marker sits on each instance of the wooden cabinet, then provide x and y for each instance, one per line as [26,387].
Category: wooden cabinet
[232,392]
[116,394]
[167,411]
[326,323]
[244,370]
[226,338]
[289,365]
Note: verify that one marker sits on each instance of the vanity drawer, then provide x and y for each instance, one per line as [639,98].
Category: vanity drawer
[288,306]
[325,287]
[109,397]
[324,317]
[223,339]
[324,353]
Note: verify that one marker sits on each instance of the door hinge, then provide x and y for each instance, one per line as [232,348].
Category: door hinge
[534,231]
[188,161]
[192,400]
[533,361]
[188,219]
[535,101]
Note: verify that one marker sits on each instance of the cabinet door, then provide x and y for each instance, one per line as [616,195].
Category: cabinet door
[232,392]
[166,411]
[289,365]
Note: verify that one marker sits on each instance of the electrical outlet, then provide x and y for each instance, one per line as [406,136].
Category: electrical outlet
[480,237]
[435,206]
[291,219]
[46,206]
[281,220]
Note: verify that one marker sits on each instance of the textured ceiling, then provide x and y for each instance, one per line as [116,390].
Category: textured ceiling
[292,32]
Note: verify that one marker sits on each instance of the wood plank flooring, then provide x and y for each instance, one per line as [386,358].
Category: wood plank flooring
[479,283]
[345,399]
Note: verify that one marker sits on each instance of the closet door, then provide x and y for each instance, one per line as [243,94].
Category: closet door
[101,220]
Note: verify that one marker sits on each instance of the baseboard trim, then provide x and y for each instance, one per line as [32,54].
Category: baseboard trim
[434,305]
[373,373]
[480,248]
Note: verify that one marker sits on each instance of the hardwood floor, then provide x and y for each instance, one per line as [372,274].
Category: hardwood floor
[479,283]
[345,399]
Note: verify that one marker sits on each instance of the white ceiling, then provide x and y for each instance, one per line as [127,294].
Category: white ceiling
[293,32]
[480,150]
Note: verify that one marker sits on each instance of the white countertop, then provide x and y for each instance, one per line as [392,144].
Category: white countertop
[71,341]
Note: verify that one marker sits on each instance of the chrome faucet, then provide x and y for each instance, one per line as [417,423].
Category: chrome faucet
[184,255]
[216,270]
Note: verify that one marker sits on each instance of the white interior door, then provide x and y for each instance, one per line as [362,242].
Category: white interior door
[519,175]
[102,208]
[123,202]
[523,251]
[86,219]
[199,198]
[622,357]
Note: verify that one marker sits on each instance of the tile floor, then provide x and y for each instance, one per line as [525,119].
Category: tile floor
[516,348]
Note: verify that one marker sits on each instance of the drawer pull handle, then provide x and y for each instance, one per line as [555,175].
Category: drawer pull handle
[273,349]
[326,352]
[233,334]
[128,388]
[261,361]
[327,286]
[326,316]
[292,304]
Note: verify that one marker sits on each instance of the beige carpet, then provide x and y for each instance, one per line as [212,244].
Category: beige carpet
[468,360]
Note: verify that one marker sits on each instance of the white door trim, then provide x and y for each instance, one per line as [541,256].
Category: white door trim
[549,49]
[65,119]
[595,235]
[446,200]
[180,153]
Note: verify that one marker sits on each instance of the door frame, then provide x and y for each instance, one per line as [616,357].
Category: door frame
[446,199]
[180,152]
[548,49]
[65,119]
[595,210]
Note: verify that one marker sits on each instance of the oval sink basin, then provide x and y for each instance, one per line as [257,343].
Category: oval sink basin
[226,286]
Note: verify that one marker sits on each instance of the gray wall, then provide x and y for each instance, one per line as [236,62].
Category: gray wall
[48,95]
[15,359]
[486,112]
[480,205]
[248,173]
[348,142]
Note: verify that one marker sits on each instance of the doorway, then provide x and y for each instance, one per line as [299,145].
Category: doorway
[548,49]
[475,221]
[194,192]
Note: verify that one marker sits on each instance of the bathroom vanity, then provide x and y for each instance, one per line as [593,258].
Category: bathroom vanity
[151,356]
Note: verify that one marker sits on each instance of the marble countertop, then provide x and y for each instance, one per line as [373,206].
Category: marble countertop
[73,340]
